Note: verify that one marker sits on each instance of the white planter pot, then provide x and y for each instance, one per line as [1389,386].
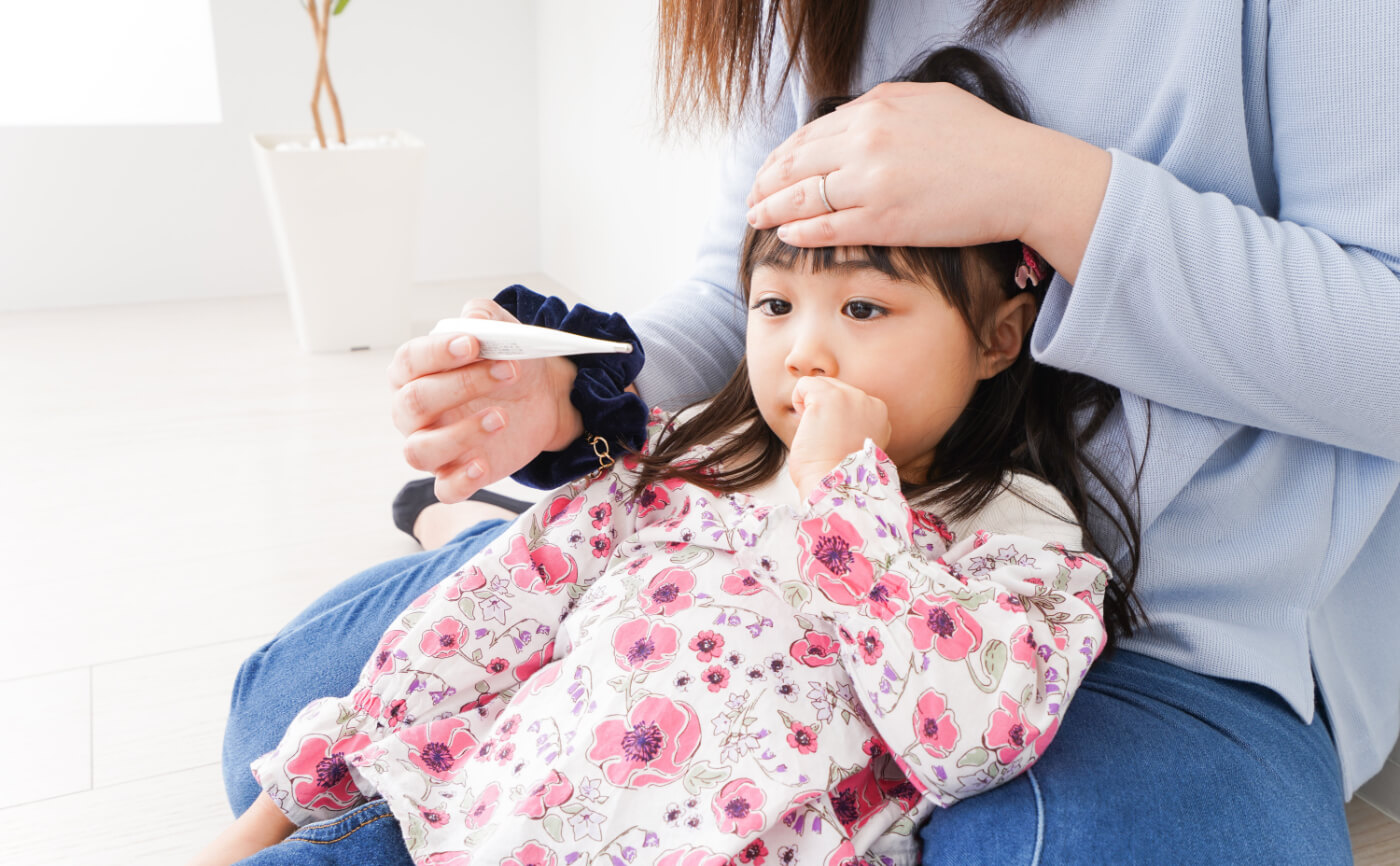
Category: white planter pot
[345,221]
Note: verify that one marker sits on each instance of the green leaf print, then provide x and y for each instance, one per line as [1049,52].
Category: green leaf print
[554,826]
[974,758]
[796,593]
[701,776]
[467,605]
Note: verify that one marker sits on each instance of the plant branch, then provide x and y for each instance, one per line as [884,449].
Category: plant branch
[325,69]
[316,94]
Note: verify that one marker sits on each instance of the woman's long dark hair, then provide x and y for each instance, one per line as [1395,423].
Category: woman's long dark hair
[712,55]
[1029,418]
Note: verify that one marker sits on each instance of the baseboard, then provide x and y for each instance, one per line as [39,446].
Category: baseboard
[1383,792]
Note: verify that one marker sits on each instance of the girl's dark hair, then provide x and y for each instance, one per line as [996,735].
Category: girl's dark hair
[712,55]
[1029,418]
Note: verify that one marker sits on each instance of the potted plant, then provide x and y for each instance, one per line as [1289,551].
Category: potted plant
[344,214]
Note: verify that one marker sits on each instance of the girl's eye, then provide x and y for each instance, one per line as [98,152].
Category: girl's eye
[773,306]
[864,310]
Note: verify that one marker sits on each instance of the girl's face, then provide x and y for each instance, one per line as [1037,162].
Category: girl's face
[893,339]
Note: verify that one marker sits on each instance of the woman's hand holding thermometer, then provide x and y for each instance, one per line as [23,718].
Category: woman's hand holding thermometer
[453,400]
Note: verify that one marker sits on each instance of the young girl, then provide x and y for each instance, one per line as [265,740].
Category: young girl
[695,657]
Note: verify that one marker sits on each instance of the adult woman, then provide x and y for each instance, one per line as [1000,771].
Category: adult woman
[1211,245]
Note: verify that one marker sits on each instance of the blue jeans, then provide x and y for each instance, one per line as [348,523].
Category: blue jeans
[1153,763]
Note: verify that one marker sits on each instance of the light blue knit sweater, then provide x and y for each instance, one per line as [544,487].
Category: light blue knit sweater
[1241,280]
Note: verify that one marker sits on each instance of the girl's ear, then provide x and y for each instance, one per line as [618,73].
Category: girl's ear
[1006,334]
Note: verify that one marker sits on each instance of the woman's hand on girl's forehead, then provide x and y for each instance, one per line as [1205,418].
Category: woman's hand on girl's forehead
[906,165]
[834,420]
[931,165]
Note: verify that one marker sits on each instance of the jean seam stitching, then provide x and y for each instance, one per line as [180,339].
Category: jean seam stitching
[352,831]
[1039,819]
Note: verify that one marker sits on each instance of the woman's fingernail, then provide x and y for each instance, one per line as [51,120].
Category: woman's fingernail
[492,421]
[783,233]
[502,370]
[753,216]
[461,347]
[475,469]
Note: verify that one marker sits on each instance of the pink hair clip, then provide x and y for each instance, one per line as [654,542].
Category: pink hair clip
[1032,268]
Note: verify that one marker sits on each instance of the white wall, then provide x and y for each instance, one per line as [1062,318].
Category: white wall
[95,215]
[620,210]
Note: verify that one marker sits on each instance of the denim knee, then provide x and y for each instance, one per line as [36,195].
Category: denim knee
[366,834]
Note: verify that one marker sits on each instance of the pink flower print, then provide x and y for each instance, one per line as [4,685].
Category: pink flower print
[601,545]
[881,599]
[755,852]
[397,712]
[537,660]
[479,815]
[901,790]
[448,858]
[1010,734]
[367,702]
[857,797]
[692,857]
[464,581]
[831,556]
[1077,558]
[845,855]
[653,498]
[600,514]
[562,508]
[638,564]
[438,748]
[650,746]
[741,582]
[802,738]
[530,854]
[1023,647]
[383,658]
[717,676]
[1011,603]
[553,790]
[875,746]
[505,753]
[433,816]
[871,648]
[545,568]
[933,724]
[815,650]
[496,665]
[738,807]
[645,645]
[930,522]
[668,592]
[707,645]
[938,622]
[443,639]
[320,776]
[507,728]
[1043,741]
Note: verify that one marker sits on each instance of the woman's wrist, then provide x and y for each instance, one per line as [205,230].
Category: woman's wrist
[1065,188]
[563,372]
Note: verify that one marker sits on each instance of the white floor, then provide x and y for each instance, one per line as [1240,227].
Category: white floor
[176,481]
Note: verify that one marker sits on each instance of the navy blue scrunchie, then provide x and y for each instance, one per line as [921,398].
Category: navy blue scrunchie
[616,415]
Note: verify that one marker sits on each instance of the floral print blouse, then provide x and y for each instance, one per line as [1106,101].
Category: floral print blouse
[691,679]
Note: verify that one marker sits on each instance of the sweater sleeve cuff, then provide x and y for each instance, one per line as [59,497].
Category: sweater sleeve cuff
[1071,320]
